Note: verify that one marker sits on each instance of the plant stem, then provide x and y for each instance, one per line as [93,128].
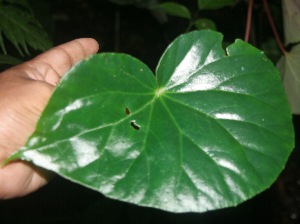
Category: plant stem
[191,23]
[271,21]
[249,17]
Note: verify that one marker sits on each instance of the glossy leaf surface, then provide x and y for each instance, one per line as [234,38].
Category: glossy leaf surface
[210,130]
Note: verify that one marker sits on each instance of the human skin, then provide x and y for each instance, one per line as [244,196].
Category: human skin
[24,92]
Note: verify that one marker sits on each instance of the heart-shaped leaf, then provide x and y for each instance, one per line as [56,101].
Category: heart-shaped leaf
[211,130]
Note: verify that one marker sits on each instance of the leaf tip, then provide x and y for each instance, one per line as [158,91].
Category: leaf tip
[11,158]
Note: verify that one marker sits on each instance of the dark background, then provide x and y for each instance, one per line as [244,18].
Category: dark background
[138,32]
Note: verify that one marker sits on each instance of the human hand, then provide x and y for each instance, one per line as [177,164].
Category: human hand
[24,92]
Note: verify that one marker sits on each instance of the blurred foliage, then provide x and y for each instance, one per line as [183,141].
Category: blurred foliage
[142,3]
[19,27]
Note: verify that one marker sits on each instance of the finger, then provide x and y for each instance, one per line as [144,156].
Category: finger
[51,65]
[63,57]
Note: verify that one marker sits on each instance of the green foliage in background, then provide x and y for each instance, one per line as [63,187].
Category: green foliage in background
[19,26]
[215,4]
[289,63]
[180,10]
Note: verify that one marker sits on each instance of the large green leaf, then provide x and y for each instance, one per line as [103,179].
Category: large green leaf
[211,130]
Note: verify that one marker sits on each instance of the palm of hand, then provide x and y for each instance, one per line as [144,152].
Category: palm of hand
[24,92]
